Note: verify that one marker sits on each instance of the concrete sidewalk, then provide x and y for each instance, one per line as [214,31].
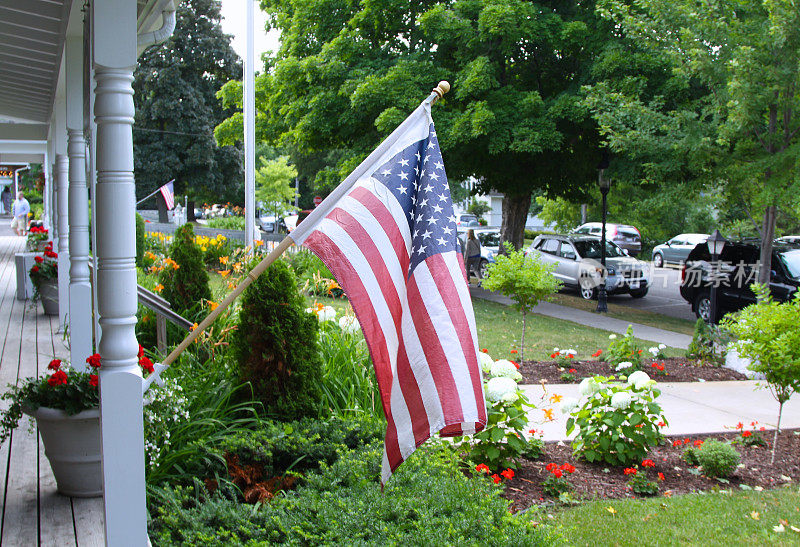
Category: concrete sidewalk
[653,334]
[691,408]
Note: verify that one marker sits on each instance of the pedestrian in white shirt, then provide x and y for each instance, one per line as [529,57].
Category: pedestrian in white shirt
[19,210]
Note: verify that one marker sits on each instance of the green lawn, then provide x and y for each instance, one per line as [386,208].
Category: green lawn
[738,518]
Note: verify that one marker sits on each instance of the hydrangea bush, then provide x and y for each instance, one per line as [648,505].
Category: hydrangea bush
[624,349]
[617,422]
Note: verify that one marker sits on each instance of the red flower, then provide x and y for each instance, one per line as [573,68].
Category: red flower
[94,360]
[57,378]
[687,441]
[639,426]
[146,364]
[570,356]
[661,424]
[676,443]
[38,259]
[698,443]
[597,353]
[648,463]
[514,351]
[141,352]
[558,474]
[482,468]
[55,364]
[568,467]
[762,428]
[496,478]
[740,425]
[753,423]
[515,364]
[661,477]
[554,355]
[35,269]
[629,471]
[93,380]
[508,473]
[573,371]
[550,466]
[745,434]
[50,254]
[532,431]
[484,350]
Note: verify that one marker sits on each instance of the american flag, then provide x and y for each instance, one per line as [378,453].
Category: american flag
[390,240]
[168,191]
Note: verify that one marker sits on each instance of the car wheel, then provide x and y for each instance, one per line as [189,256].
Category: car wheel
[587,290]
[658,260]
[483,267]
[702,307]
[639,293]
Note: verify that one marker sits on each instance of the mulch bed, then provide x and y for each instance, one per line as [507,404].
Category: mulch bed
[601,481]
[676,369]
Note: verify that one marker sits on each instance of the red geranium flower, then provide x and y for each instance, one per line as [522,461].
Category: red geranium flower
[740,425]
[661,477]
[745,434]
[141,352]
[676,443]
[94,360]
[55,364]
[698,443]
[648,463]
[554,355]
[597,353]
[482,468]
[629,471]
[146,364]
[762,428]
[550,466]
[508,473]
[496,478]
[558,474]
[661,424]
[38,259]
[568,467]
[484,350]
[50,254]
[573,371]
[93,380]
[514,351]
[35,269]
[57,378]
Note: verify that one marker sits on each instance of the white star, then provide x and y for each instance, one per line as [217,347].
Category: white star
[438,165]
[452,219]
[417,155]
[414,199]
[442,197]
[403,175]
[434,176]
[426,235]
[423,203]
[416,233]
[427,157]
[432,220]
[421,249]
[433,133]
[441,241]
[437,209]
[431,145]
[416,170]
[386,172]
[421,175]
[402,189]
[419,217]
[404,162]
[447,230]
[428,188]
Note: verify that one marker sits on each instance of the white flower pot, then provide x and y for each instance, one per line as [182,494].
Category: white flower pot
[48,293]
[72,445]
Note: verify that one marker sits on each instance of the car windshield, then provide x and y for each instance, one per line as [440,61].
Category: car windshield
[489,239]
[590,248]
[791,259]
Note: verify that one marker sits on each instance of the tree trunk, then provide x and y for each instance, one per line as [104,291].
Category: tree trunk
[163,217]
[777,431]
[767,236]
[522,341]
[515,213]
[584,213]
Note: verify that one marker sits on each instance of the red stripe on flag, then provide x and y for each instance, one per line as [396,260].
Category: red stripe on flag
[412,396]
[434,354]
[331,255]
[444,282]
[387,222]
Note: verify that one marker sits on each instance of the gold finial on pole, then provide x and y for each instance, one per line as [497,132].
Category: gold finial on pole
[441,89]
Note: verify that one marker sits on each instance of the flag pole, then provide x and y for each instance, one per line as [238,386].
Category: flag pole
[436,94]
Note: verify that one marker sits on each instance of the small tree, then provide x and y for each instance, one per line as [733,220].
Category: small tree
[478,208]
[527,280]
[185,280]
[769,337]
[275,188]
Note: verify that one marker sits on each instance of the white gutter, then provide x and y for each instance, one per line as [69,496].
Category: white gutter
[161,35]
[16,178]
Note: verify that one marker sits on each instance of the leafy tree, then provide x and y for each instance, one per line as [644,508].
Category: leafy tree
[515,119]
[275,185]
[727,115]
[527,280]
[176,109]
[478,208]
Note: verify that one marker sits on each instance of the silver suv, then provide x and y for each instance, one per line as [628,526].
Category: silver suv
[624,235]
[577,260]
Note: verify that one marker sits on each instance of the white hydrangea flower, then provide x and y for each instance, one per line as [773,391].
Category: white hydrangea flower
[571,352]
[653,351]
[327,313]
[662,346]
[621,399]
[348,323]
[510,396]
[623,365]
[505,369]
[556,350]
[498,387]
[638,379]
[486,362]
[612,336]
[589,386]
[569,404]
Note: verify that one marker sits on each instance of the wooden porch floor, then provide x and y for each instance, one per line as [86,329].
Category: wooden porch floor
[33,513]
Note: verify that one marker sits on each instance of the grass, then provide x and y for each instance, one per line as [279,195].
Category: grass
[738,518]
[626,313]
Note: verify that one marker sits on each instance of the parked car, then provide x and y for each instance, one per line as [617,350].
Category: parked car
[271,225]
[577,259]
[733,274]
[677,249]
[625,236]
[490,244]
[789,240]
[467,219]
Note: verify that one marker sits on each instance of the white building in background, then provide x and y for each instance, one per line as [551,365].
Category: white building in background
[495,215]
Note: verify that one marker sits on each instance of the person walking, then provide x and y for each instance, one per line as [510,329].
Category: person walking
[5,200]
[472,256]
[20,210]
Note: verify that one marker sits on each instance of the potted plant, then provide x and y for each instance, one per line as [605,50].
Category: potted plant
[37,239]
[44,276]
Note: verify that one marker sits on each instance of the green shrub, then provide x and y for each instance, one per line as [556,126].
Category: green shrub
[624,349]
[276,345]
[718,459]
[643,486]
[690,456]
[226,223]
[139,239]
[186,287]
[429,501]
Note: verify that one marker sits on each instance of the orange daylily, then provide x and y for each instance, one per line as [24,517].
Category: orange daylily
[548,414]
[556,398]
[159,288]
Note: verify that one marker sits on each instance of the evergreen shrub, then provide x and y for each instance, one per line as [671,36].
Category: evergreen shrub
[139,239]
[186,286]
[718,459]
[276,345]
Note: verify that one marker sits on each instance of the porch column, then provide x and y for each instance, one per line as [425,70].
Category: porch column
[114,34]
[80,289]
[62,187]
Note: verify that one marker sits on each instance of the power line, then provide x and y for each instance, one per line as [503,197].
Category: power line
[172,132]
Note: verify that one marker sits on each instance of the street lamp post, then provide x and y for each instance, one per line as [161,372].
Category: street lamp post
[716,242]
[605,186]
